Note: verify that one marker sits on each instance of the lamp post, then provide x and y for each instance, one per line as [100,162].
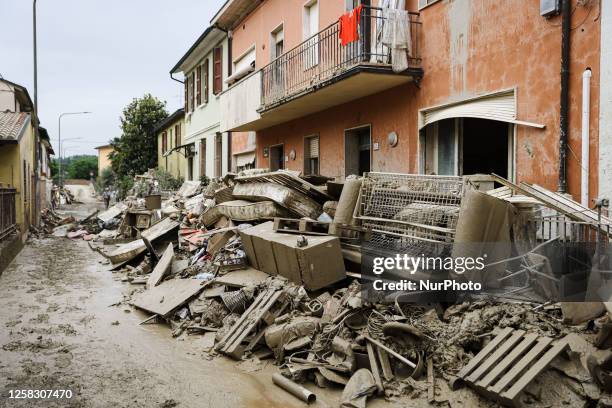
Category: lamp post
[59,136]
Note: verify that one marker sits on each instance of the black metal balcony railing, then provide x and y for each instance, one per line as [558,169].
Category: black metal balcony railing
[8,219]
[321,57]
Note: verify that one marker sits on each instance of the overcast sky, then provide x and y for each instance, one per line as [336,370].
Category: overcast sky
[96,55]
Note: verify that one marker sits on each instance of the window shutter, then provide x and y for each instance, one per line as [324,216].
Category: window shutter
[186,94]
[164,142]
[217,71]
[177,135]
[314,147]
[192,93]
[206,80]
[199,85]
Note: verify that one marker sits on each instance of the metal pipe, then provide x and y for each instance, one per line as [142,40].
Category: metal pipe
[564,103]
[293,388]
[586,110]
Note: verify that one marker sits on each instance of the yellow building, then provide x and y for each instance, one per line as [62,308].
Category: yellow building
[170,148]
[104,160]
[17,170]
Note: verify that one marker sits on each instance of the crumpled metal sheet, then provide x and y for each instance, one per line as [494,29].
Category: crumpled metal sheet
[289,198]
[240,210]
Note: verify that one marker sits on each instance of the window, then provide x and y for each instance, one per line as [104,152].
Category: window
[205,88]
[170,138]
[164,142]
[218,154]
[199,85]
[310,26]
[217,70]
[311,155]
[243,65]
[177,135]
[425,3]
[277,42]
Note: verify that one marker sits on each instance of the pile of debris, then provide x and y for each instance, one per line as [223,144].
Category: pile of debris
[267,265]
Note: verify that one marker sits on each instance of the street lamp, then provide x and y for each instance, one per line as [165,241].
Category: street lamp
[59,136]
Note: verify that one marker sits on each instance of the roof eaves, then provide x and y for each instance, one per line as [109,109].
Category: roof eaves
[177,66]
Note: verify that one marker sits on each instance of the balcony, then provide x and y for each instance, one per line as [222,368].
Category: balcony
[321,73]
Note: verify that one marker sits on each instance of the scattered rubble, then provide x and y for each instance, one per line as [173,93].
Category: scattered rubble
[267,265]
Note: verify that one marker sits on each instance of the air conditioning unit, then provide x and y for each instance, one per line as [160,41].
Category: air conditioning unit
[550,8]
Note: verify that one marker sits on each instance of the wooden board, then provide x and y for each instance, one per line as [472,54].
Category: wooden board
[242,278]
[509,363]
[162,267]
[167,296]
[129,251]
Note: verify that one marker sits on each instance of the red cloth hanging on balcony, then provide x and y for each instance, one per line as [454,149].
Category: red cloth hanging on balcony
[349,24]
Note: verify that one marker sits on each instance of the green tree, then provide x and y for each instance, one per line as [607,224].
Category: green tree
[81,167]
[135,151]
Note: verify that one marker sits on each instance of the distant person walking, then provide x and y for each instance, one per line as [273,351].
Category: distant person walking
[106,196]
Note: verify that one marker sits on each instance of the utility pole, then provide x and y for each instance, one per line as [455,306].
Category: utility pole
[34,36]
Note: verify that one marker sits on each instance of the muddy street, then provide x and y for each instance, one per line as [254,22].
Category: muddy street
[61,332]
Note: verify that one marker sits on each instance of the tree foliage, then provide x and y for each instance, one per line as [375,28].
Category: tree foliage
[81,167]
[135,151]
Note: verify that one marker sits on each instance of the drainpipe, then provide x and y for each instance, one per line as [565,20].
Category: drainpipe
[177,80]
[586,110]
[564,103]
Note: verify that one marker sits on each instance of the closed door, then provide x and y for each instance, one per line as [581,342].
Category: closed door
[310,28]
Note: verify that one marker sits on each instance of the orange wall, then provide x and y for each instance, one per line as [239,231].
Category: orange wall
[469,47]
[258,25]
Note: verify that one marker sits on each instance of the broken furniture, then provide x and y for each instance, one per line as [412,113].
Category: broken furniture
[129,251]
[505,366]
[166,297]
[268,305]
[316,265]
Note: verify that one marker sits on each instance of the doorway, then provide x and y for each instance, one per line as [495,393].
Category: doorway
[357,150]
[465,146]
[277,157]
[485,147]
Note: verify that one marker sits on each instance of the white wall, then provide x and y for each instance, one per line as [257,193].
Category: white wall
[204,121]
[7,98]
[605,103]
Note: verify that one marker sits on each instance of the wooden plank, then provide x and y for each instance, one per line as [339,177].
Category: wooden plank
[500,351]
[518,368]
[152,252]
[535,370]
[465,371]
[251,322]
[263,295]
[385,364]
[169,295]
[374,367]
[162,267]
[516,353]
[431,390]
[129,251]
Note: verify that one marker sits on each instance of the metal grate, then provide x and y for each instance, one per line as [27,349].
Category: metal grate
[8,220]
[410,206]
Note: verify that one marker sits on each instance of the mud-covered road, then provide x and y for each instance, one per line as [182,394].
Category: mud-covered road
[58,331]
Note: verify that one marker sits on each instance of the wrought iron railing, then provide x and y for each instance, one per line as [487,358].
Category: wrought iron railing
[8,220]
[322,57]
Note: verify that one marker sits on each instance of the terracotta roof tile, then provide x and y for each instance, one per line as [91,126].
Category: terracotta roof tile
[12,124]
